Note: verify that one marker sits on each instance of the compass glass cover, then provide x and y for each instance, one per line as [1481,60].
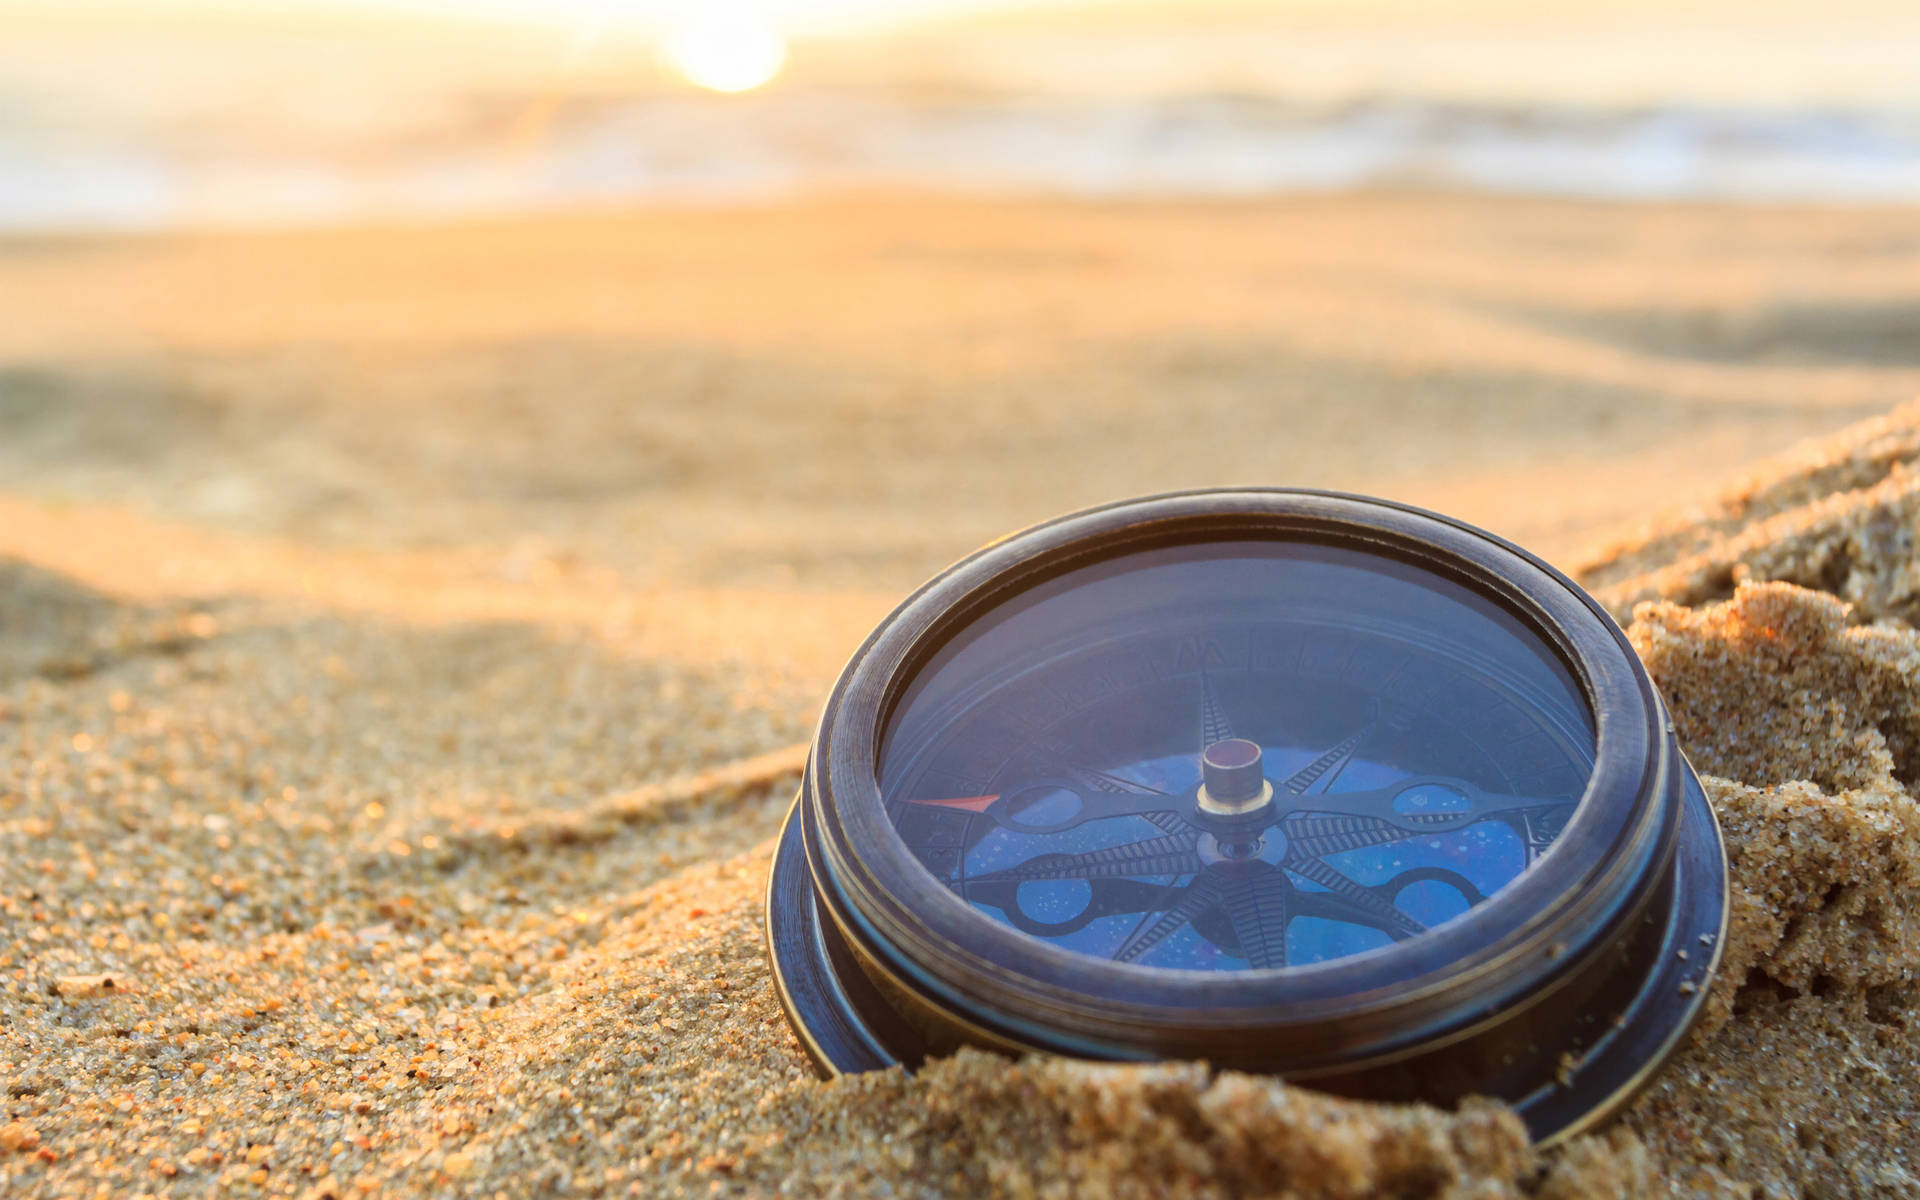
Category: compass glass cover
[1234,755]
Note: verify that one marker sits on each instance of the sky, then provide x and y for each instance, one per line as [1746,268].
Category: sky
[1585,51]
[793,16]
[1604,53]
[833,16]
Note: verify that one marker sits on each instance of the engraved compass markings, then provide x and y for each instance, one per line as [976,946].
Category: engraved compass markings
[1539,826]
[1254,896]
[1107,782]
[1318,836]
[1251,895]
[1259,903]
[1171,822]
[1239,887]
[1257,898]
[1371,809]
[1171,855]
[1166,818]
[1201,895]
[1214,725]
[1323,770]
[1391,920]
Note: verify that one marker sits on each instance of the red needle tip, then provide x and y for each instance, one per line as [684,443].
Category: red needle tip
[976,804]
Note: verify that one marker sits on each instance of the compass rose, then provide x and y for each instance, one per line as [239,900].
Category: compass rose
[1231,854]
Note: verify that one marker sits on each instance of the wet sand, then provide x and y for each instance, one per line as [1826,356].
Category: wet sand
[405,636]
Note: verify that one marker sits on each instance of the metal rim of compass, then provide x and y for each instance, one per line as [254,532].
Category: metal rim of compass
[1561,993]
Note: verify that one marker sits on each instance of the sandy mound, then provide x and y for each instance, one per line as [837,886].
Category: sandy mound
[1836,516]
[320,987]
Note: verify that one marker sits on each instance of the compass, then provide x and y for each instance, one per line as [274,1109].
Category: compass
[1290,781]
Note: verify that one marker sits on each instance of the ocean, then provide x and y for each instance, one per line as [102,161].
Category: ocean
[130,134]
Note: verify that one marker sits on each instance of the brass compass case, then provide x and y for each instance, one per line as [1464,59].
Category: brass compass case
[1289,781]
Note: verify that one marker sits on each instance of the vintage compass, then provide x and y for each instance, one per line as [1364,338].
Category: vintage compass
[1288,781]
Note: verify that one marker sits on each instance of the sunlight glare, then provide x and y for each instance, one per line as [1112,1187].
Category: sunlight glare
[726,51]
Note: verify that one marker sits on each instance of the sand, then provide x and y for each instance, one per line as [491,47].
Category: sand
[408,638]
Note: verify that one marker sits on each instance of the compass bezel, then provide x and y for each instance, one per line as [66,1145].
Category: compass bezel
[956,975]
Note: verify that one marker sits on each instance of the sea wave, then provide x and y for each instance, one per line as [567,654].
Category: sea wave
[682,150]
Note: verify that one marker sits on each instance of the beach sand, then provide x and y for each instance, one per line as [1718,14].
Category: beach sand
[408,638]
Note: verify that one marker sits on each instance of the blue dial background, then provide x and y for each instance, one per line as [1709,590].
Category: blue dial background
[1355,673]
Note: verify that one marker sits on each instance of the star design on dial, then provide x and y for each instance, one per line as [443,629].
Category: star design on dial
[1238,847]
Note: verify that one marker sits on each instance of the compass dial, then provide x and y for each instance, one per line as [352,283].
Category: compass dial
[1237,755]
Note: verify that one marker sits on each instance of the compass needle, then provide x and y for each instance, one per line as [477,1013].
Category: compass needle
[973,804]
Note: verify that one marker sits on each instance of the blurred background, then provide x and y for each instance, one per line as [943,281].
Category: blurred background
[818,294]
[159,114]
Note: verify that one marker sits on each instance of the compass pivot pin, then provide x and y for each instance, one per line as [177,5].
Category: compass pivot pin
[1233,789]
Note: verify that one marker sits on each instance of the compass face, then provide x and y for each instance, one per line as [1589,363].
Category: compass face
[1235,755]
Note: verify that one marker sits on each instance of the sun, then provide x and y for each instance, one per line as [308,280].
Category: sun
[726,51]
